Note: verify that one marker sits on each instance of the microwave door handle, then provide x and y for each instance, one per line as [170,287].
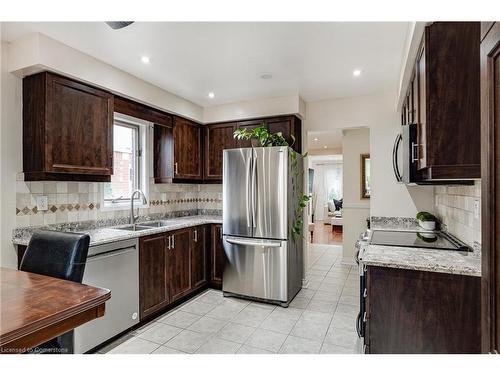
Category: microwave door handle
[395,166]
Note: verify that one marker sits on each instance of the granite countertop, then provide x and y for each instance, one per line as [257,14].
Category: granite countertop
[415,258]
[99,236]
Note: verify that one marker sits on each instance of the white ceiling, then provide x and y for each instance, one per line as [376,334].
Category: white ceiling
[332,139]
[313,60]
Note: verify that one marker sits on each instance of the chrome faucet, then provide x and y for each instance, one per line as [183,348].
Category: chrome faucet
[133,217]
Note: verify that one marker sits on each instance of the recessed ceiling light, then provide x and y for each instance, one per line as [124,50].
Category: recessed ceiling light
[356,73]
[325,146]
[145,59]
[266,76]
[316,139]
[211,95]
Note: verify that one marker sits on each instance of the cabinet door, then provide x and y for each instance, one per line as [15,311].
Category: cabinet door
[422,116]
[79,128]
[490,186]
[217,255]
[163,153]
[198,257]
[179,263]
[187,149]
[217,138]
[153,289]
[414,87]
[285,125]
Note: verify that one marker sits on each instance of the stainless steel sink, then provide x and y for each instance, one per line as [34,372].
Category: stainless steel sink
[135,227]
[156,224]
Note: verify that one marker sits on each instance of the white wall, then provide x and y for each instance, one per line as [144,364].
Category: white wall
[254,108]
[37,52]
[356,210]
[378,113]
[10,157]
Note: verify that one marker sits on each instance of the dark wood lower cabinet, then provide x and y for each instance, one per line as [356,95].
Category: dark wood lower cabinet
[418,312]
[153,283]
[174,265]
[199,258]
[179,263]
[217,257]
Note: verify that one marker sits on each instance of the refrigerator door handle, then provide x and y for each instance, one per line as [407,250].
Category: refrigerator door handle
[254,188]
[249,242]
[249,185]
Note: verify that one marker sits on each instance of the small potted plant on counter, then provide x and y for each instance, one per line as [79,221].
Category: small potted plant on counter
[426,220]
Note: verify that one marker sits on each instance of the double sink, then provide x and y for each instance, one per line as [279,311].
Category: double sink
[145,226]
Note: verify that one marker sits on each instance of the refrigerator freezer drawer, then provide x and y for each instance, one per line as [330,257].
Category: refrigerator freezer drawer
[256,268]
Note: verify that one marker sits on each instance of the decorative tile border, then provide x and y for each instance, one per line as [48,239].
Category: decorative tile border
[72,207]
[394,222]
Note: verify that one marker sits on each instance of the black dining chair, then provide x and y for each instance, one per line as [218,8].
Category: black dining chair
[61,255]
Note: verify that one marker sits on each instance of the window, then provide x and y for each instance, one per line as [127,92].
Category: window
[128,162]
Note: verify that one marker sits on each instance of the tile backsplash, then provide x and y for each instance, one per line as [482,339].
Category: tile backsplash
[81,201]
[454,207]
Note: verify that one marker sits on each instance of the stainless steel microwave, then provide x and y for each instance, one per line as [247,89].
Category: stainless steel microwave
[405,155]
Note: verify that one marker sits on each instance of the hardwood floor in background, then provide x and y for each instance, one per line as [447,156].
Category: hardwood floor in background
[324,235]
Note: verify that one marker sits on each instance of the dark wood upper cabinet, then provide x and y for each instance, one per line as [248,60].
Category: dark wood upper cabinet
[198,257]
[218,137]
[67,130]
[490,186]
[188,158]
[163,153]
[153,282]
[290,126]
[179,263]
[424,313]
[446,101]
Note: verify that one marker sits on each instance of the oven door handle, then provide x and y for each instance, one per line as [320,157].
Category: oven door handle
[395,166]
[358,324]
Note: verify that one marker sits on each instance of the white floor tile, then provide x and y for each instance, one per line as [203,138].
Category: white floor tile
[198,308]
[341,337]
[246,349]
[135,346]
[167,350]
[252,316]
[180,319]
[227,310]
[267,340]
[299,302]
[218,346]
[235,332]
[278,324]
[335,349]
[299,345]
[310,329]
[207,324]
[188,341]
[160,333]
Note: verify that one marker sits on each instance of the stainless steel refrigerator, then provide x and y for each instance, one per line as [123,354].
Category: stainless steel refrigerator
[261,188]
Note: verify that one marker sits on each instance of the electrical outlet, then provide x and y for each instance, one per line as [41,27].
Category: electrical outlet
[42,203]
[476,208]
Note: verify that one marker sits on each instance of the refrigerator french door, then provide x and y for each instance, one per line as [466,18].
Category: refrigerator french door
[260,191]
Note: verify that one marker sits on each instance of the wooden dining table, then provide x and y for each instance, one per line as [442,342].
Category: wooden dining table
[36,308]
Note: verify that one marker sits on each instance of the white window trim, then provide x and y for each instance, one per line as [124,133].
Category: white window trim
[145,144]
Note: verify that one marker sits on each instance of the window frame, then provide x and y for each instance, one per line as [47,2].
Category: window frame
[142,147]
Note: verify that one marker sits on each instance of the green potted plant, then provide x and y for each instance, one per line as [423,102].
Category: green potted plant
[261,137]
[426,220]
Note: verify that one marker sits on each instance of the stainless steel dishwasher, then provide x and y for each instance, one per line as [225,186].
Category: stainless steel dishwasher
[114,266]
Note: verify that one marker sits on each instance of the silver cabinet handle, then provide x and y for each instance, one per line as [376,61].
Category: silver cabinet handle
[168,246]
[176,168]
[364,317]
[365,293]
[414,155]
[196,235]
[173,241]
